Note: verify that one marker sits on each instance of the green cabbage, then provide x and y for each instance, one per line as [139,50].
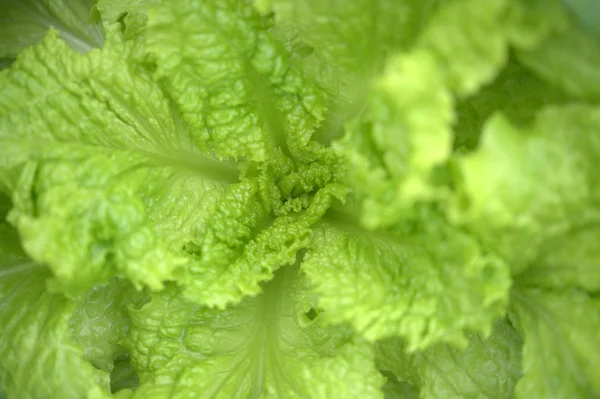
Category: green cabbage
[304,199]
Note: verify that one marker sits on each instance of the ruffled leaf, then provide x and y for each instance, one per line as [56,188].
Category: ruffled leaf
[427,286]
[265,347]
[560,355]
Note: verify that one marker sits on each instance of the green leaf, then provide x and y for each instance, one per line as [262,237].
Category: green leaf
[394,389]
[400,140]
[133,14]
[562,346]
[235,254]
[101,320]
[516,92]
[569,260]
[568,59]
[104,174]
[513,200]
[24,23]
[469,54]
[115,182]
[233,82]
[394,146]
[427,285]
[345,44]
[488,367]
[530,22]
[35,343]
[265,347]
[5,205]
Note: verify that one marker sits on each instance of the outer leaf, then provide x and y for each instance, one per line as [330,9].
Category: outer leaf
[570,260]
[101,321]
[393,149]
[516,92]
[233,82]
[24,23]
[37,357]
[428,285]
[412,103]
[487,368]
[406,128]
[346,43]
[514,201]
[104,178]
[264,348]
[141,202]
[562,345]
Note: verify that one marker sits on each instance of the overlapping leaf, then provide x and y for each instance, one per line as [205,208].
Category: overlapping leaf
[265,347]
[488,367]
[104,175]
[133,14]
[515,201]
[428,285]
[100,321]
[142,201]
[560,355]
[233,82]
[35,342]
[194,148]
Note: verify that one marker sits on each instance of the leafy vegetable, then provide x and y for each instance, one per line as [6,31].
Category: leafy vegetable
[299,199]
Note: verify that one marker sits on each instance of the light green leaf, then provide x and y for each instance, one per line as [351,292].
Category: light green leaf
[345,44]
[488,367]
[243,246]
[35,343]
[469,54]
[234,83]
[24,23]
[569,260]
[235,254]
[561,355]
[133,14]
[105,178]
[265,347]
[427,284]
[101,320]
[391,150]
[525,186]
[395,145]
